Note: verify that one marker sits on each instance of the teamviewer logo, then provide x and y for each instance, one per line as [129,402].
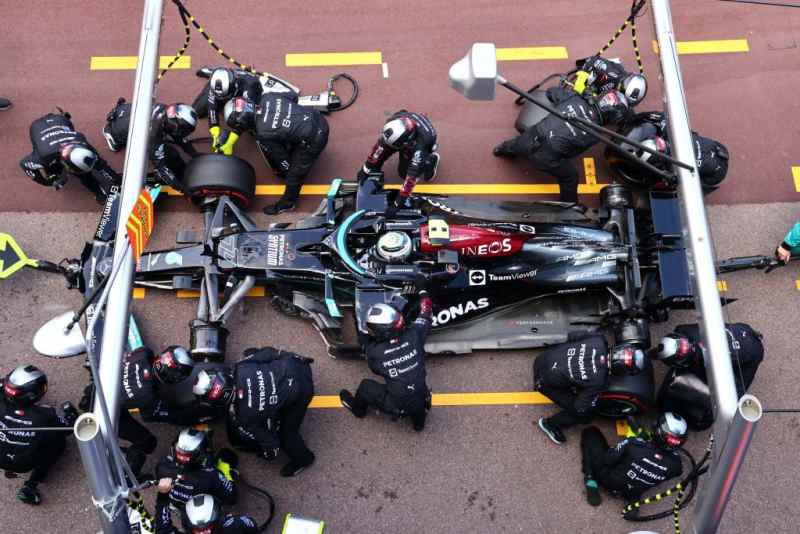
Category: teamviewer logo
[477,278]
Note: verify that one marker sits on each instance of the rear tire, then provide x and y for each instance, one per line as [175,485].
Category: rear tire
[628,395]
[214,175]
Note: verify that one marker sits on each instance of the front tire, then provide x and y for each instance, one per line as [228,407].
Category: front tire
[215,175]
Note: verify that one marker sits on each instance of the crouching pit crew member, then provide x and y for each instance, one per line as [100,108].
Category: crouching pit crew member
[169,127]
[30,451]
[397,353]
[635,465]
[596,75]
[60,151]
[203,515]
[551,144]
[273,389]
[224,85]
[574,374]
[192,469]
[289,136]
[413,136]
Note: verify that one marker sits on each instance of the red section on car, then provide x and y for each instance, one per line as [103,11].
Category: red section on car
[476,241]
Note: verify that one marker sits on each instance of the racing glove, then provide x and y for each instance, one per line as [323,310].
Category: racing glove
[226,142]
[214,131]
[39,174]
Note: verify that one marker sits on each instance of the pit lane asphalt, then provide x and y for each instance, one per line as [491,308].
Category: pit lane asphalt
[475,469]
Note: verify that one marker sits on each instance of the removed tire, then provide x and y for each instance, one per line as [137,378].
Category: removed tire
[628,395]
[215,175]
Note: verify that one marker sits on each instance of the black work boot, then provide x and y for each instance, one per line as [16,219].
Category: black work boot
[5,104]
[286,203]
[352,404]
[293,468]
[505,149]
[29,493]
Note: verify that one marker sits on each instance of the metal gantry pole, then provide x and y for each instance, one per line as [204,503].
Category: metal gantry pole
[729,433]
[96,435]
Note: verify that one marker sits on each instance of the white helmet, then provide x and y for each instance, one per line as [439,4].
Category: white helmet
[79,158]
[394,246]
[222,83]
[398,132]
[634,87]
[654,143]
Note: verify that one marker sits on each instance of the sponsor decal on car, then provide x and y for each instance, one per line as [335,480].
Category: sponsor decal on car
[463,308]
[488,249]
[477,277]
[276,250]
[509,277]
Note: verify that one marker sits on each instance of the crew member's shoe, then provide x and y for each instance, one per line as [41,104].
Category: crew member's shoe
[433,166]
[292,469]
[279,207]
[29,494]
[552,432]
[592,492]
[349,402]
[5,104]
[504,150]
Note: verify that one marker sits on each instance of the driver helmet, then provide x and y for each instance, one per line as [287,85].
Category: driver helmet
[240,114]
[399,132]
[394,247]
[79,158]
[173,365]
[634,87]
[655,143]
[181,120]
[671,430]
[222,83]
[384,321]
[25,386]
[626,359]
[613,107]
[202,515]
[191,447]
[675,350]
[213,386]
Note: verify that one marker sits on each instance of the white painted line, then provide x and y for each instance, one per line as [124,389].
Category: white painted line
[385,69]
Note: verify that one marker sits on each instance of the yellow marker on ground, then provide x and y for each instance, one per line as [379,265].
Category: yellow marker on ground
[796,176]
[329,59]
[129,62]
[590,171]
[722,285]
[139,293]
[439,189]
[532,53]
[726,46]
[456,399]
[797,284]
[192,294]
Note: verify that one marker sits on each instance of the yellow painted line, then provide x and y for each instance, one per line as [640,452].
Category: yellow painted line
[138,292]
[439,189]
[797,284]
[725,46]
[722,285]
[329,59]
[129,62]
[532,53]
[796,176]
[590,171]
[192,294]
[455,399]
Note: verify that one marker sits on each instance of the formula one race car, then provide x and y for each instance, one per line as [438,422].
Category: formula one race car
[503,275]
